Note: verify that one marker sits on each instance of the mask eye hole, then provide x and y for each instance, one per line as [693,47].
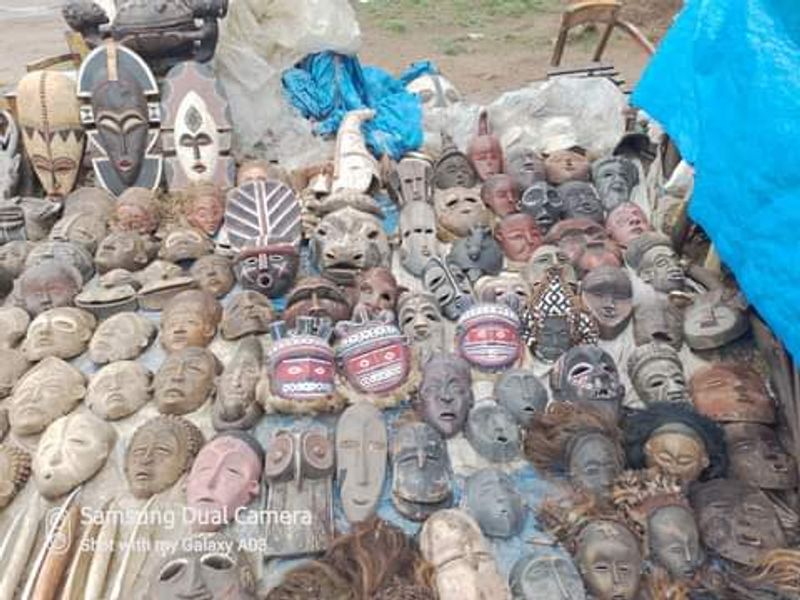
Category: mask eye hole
[217,562]
[172,570]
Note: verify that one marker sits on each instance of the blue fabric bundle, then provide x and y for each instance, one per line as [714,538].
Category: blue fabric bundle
[325,86]
[725,84]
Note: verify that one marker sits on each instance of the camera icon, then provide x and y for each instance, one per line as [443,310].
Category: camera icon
[58,531]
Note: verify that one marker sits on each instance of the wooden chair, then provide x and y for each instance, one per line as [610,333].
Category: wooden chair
[601,12]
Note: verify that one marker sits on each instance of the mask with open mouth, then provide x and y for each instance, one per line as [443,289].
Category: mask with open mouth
[521,393]
[422,323]
[160,451]
[449,285]
[268,270]
[422,479]
[609,559]
[189,319]
[543,203]
[318,298]
[736,520]
[236,406]
[615,177]
[196,131]
[581,201]
[298,468]
[546,574]
[412,180]
[225,476]
[519,237]
[361,453]
[15,470]
[658,320]
[652,257]
[488,338]
[477,254]
[588,376]
[71,451]
[494,502]
[445,394]
[758,457]
[119,390]
[501,194]
[214,274]
[459,209]
[204,567]
[493,432]
[185,380]
[656,372]
[465,567]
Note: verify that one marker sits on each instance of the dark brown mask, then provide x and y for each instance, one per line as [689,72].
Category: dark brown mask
[758,457]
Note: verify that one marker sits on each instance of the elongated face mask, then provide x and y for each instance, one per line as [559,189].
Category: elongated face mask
[70,452]
[450,286]
[236,406]
[418,241]
[415,175]
[674,540]
[594,463]
[610,560]
[546,575]
[119,389]
[495,503]
[484,151]
[519,391]
[608,294]
[361,452]
[421,321]
[160,451]
[445,394]
[758,457]
[225,476]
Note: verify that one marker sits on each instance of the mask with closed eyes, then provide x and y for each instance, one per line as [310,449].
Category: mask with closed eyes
[494,502]
[547,574]
[610,560]
[185,381]
[484,150]
[758,457]
[236,405]
[608,294]
[119,390]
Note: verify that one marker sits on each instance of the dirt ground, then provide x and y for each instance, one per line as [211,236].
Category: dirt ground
[485,46]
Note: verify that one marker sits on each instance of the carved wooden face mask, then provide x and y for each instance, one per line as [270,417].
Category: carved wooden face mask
[13,365]
[493,432]
[269,270]
[62,332]
[610,560]
[185,244]
[615,177]
[422,479]
[656,373]
[189,319]
[160,451]
[185,381]
[674,540]
[299,470]
[214,274]
[121,109]
[49,117]
[626,222]
[508,288]
[652,257]
[235,406]
[72,450]
[66,252]
[452,542]
[525,166]
[581,201]
[136,210]
[50,389]
[434,91]
[445,394]
[736,521]
[82,228]
[377,291]
[459,209]
[715,319]
[204,566]
[226,475]
[487,337]
[119,389]
[501,194]
[484,151]
[247,313]
[546,575]
[415,179]
[519,236]
[421,321]
[196,128]
[9,154]
[123,250]
[449,285]
[50,284]
[731,392]
[608,294]
[13,255]
[495,504]
[594,461]
[205,207]
[15,470]
[121,337]
[418,242]
[348,241]
[477,254]
[587,375]
[521,393]
[361,452]
[13,325]
[562,166]
[544,204]
[543,259]
[656,320]
[758,457]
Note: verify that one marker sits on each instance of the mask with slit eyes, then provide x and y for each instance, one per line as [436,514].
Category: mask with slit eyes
[185,244]
[421,321]
[656,372]
[459,209]
[418,242]
[652,257]
[608,294]
[205,566]
[587,375]
[494,502]
[119,390]
[544,204]
[449,285]
[521,393]
[160,451]
[736,520]
[414,179]
[484,150]
[493,433]
[610,560]
[758,457]
[547,574]
[615,177]
[525,166]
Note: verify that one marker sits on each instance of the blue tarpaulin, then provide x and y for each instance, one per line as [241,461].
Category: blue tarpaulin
[725,83]
[325,86]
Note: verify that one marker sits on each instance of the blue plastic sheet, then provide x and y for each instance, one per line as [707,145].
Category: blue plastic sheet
[325,86]
[725,84]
